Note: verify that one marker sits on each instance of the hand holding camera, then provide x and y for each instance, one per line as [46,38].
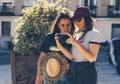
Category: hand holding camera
[62,38]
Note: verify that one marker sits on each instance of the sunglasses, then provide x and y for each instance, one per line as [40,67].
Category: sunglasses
[77,19]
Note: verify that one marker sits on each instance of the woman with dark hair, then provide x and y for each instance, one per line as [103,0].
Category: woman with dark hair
[85,48]
[63,25]
[56,28]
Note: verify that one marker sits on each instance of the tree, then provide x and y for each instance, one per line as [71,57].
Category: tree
[33,25]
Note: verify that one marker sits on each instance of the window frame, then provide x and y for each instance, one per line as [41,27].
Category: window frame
[7,30]
[115,27]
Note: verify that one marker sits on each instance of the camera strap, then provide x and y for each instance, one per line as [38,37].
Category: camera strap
[82,35]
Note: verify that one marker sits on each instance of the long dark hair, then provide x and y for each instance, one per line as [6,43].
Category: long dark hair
[55,28]
[88,23]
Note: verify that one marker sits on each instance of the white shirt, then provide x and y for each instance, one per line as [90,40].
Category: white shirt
[93,36]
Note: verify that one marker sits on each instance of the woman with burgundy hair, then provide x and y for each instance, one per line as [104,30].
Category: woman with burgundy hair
[85,48]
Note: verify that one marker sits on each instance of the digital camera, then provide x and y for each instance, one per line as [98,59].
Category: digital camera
[62,37]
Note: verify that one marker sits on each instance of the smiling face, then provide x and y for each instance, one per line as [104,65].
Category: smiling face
[65,25]
[80,23]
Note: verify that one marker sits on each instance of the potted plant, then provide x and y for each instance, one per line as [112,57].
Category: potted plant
[32,26]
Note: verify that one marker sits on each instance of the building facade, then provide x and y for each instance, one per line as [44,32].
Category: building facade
[106,13]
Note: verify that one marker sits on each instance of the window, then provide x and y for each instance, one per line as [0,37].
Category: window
[117,5]
[88,3]
[91,2]
[115,30]
[6,28]
[7,5]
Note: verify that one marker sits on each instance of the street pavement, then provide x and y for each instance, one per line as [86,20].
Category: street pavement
[5,74]
[106,72]
[5,67]
[4,57]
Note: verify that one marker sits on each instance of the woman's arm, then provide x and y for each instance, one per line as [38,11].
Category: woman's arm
[90,54]
[63,50]
[38,77]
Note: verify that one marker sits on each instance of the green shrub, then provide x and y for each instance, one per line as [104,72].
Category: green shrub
[33,25]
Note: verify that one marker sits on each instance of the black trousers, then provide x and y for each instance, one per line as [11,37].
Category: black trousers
[83,73]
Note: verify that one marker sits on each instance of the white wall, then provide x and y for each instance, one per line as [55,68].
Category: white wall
[13,23]
[29,2]
[5,39]
[104,25]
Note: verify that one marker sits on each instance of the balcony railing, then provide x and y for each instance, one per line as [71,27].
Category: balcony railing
[6,11]
[93,10]
[112,12]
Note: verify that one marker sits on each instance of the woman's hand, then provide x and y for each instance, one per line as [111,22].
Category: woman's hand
[71,39]
[56,37]
[38,81]
[65,66]
[57,40]
[63,50]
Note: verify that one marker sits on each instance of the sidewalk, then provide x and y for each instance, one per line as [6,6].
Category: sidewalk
[5,67]
[4,57]
[106,72]
[4,52]
[5,74]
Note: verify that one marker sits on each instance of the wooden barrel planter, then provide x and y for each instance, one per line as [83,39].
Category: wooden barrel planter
[23,69]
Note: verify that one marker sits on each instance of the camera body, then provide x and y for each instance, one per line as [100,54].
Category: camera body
[62,38]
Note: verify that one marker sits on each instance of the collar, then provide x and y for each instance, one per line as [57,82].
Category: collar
[79,31]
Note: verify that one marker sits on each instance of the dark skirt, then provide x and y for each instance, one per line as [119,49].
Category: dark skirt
[83,73]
